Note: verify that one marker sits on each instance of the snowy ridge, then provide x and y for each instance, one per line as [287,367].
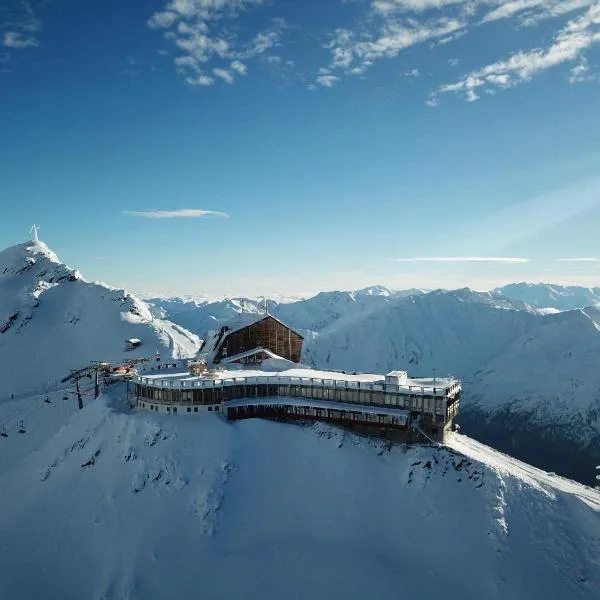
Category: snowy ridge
[546,295]
[53,320]
[150,502]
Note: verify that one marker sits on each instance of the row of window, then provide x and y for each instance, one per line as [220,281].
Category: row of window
[209,396]
[309,411]
[174,408]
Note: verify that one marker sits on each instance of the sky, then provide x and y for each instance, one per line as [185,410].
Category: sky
[281,147]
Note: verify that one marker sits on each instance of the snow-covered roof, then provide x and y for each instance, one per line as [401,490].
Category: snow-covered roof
[248,353]
[308,375]
[401,374]
[133,341]
[242,320]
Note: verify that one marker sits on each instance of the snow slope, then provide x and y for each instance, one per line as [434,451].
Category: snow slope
[117,505]
[546,295]
[52,320]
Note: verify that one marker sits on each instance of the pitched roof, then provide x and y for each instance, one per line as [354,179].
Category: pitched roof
[242,320]
[247,353]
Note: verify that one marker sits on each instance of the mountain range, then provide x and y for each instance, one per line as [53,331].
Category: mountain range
[113,503]
[530,386]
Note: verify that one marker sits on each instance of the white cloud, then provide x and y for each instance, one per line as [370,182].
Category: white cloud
[389,6]
[466,259]
[328,80]
[21,25]
[199,31]
[384,35]
[17,40]
[413,73]
[224,74]
[568,45]
[580,72]
[183,213]
[162,20]
[239,67]
[385,28]
[534,11]
[200,79]
[583,259]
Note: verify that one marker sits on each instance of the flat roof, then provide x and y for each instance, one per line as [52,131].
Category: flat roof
[231,373]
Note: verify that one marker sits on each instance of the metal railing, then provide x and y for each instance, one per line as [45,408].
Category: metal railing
[206,383]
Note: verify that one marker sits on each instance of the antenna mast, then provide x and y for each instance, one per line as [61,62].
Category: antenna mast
[34,229]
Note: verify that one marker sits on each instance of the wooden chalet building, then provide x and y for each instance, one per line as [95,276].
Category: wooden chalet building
[250,338]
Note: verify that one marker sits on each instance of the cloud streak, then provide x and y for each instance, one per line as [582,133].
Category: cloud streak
[182,213]
[466,259]
[583,259]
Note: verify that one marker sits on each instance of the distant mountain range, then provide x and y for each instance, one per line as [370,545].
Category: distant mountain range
[530,380]
[559,297]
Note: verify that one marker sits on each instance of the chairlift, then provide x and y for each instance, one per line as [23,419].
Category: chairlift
[3,432]
[47,400]
[21,427]
[65,397]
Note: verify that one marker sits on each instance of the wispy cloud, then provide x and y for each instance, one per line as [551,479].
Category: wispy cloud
[182,213]
[17,40]
[583,259]
[465,259]
[327,80]
[209,50]
[21,26]
[569,44]
[386,28]
[381,36]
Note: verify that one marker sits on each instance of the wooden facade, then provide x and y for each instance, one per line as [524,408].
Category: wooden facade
[266,333]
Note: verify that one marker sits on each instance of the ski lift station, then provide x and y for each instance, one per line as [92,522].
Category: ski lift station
[251,367]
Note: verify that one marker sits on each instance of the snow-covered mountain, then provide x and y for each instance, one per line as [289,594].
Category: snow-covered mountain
[546,295]
[115,504]
[530,382]
[52,320]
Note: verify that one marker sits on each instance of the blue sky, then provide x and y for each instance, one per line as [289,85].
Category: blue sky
[287,146]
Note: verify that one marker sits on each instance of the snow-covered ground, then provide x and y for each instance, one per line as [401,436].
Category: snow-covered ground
[52,320]
[111,504]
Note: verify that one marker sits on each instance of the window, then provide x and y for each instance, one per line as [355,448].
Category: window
[217,408]
[168,409]
[174,409]
[195,409]
[189,409]
[210,409]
